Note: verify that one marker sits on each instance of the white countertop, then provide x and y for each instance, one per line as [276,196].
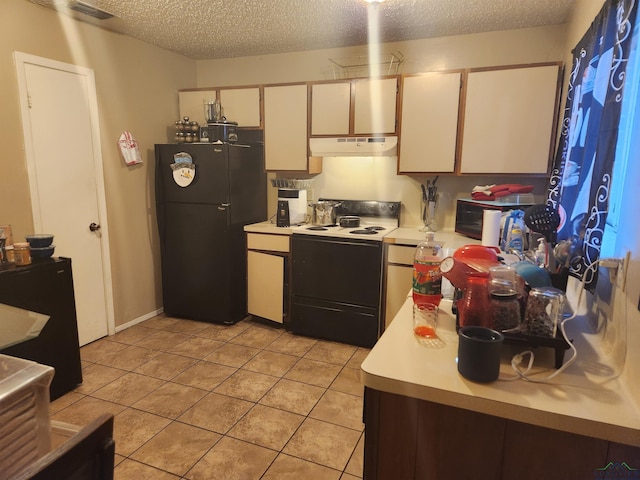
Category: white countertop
[267,227]
[587,398]
[411,236]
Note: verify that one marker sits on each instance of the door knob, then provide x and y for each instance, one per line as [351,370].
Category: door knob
[94,227]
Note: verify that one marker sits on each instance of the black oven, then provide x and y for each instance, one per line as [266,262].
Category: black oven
[336,286]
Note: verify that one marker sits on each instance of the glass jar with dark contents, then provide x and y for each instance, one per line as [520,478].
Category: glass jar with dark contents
[505,310]
[545,306]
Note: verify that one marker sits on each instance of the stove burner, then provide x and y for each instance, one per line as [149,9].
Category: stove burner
[317,228]
[374,227]
[365,231]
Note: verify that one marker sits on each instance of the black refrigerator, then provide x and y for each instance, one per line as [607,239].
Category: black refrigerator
[205,194]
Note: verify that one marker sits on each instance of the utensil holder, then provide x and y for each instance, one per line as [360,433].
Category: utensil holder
[429,215]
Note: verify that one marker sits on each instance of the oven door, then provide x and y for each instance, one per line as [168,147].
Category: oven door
[336,285]
[337,269]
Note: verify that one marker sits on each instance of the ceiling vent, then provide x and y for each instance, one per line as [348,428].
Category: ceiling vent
[90,10]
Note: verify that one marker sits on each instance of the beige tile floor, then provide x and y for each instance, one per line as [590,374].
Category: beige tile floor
[195,400]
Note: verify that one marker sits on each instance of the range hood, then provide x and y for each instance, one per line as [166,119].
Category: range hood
[354,146]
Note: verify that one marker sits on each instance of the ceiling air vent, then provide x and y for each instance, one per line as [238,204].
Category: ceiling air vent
[90,10]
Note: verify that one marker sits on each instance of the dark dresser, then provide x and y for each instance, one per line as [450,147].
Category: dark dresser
[46,286]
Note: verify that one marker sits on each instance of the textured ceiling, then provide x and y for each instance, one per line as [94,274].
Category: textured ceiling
[207,29]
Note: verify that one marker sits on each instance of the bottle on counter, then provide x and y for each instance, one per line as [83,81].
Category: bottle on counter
[427,277]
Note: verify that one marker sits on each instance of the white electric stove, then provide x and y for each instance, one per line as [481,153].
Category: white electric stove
[336,274]
[377,219]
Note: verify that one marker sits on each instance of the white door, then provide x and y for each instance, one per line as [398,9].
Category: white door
[62,144]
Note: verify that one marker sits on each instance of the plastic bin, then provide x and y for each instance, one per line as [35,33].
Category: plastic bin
[25,428]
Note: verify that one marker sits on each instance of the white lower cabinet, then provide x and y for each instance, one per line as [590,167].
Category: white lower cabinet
[267,286]
[399,275]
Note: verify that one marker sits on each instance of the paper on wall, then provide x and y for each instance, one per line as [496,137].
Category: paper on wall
[129,148]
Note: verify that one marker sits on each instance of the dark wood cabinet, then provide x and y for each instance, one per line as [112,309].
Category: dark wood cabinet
[410,438]
[46,286]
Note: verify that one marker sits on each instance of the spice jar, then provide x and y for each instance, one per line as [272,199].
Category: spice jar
[505,310]
[21,253]
[545,306]
[473,309]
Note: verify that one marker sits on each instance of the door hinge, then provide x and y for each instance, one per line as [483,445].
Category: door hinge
[29,100]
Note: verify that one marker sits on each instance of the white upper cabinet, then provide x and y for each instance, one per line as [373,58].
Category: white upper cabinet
[241,105]
[285,127]
[509,120]
[375,105]
[330,108]
[429,122]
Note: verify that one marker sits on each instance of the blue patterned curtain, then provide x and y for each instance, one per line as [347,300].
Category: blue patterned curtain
[581,178]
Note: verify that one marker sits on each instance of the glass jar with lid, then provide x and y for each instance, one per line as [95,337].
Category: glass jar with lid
[22,253]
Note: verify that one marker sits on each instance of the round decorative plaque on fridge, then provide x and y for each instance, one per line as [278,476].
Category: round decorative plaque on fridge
[184,171]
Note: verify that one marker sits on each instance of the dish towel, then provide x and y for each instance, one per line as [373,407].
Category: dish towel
[491,192]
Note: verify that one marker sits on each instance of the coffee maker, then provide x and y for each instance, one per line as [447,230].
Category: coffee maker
[292,207]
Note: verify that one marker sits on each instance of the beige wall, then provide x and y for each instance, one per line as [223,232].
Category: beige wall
[137,87]
[507,47]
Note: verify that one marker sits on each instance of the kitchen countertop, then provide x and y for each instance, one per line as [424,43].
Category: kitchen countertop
[411,236]
[588,398]
[267,227]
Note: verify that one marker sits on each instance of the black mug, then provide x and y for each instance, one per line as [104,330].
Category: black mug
[479,351]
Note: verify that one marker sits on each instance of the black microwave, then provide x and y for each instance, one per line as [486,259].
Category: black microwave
[469,214]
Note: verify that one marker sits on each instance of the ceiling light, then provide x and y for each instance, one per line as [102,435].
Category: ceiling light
[374,1]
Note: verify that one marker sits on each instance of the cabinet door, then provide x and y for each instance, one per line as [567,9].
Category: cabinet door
[429,125]
[375,105]
[399,279]
[330,108]
[241,105]
[285,127]
[191,104]
[509,120]
[265,277]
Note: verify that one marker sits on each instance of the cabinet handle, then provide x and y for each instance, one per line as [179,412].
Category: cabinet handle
[94,227]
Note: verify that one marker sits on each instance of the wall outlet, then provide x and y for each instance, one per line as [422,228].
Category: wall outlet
[621,277]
